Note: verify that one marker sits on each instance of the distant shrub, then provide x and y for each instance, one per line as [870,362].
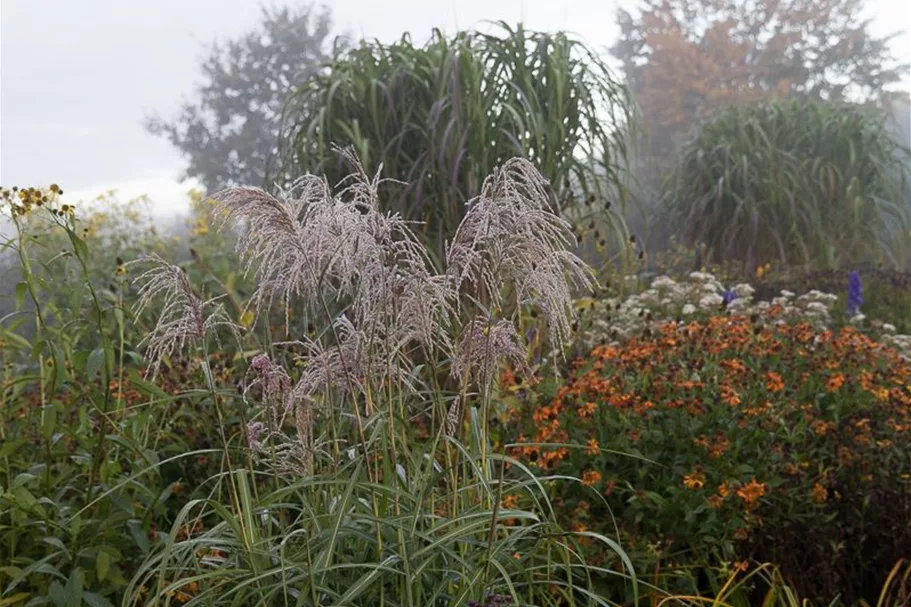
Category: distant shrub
[798,182]
[730,439]
[886,292]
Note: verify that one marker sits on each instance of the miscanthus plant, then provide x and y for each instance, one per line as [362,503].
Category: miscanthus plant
[801,182]
[367,473]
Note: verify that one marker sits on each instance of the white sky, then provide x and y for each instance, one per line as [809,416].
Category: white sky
[78,76]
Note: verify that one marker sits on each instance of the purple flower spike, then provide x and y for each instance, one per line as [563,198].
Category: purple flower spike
[855,293]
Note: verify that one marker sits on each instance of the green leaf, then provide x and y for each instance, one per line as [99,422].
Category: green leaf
[93,364]
[102,565]
[79,246]
[24,498]
[57,594]
[21,290]
[49,421]
[74,589]
[96,600]
[14,599]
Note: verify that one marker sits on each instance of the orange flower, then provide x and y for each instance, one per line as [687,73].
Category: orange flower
[715,502]
[835,382]
[694,480]
[587,410]
[724,489]
[820,493]
[510,501]
[591,477]
[821,428]
[750,493]
[774,383]
[592,447]
[730,396]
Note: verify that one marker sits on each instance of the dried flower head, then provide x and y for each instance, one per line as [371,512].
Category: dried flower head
[511,236]
[483,347]
[185,318]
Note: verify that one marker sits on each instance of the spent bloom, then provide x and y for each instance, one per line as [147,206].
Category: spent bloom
[185,318]
[511,236]
[483,347]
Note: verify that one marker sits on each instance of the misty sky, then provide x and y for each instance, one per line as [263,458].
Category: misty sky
[78,76]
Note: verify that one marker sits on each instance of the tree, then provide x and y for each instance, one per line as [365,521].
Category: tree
[229,133]
[442,115]
[684,59]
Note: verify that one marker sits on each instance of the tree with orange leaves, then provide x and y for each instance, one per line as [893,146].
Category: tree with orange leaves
[685,58]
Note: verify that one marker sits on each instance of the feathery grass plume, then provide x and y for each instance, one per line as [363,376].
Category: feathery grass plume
[483,347]
[275,384]
[308,243]
[510,235]
[274,238]
[454,417]
[291,455]
[396,294]
[184,320]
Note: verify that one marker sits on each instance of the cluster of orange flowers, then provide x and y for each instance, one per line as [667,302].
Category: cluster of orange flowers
[770,375]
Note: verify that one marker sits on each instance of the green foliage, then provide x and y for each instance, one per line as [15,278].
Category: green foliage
[115,488]
[796,182]
[886,292]
[726,439]
[442,115]
[338,538]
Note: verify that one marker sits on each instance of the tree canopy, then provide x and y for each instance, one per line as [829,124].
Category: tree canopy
[229,131]
[686,58]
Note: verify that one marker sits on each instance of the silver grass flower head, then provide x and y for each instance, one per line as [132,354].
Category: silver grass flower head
[310,244]
[272,235]
[254,432]
[275,383]
[185,319]
[359,359]
[510,235]
[403,304]
[483,347]
[454,417]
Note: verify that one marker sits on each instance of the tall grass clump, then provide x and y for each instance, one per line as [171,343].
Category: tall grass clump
[441,116]
[365,472]
[798,182]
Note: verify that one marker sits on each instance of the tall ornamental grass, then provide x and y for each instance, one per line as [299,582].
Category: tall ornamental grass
[442,115]
[797,182]
[366,473]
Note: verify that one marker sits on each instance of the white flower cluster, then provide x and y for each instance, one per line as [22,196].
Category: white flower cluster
[702,295]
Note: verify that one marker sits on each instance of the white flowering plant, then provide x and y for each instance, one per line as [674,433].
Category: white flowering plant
[701,295]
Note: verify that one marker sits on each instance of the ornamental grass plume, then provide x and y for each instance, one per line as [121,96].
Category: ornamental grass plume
[511,236]
[483,347]
[294,455]
[185,319]
[386,308]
